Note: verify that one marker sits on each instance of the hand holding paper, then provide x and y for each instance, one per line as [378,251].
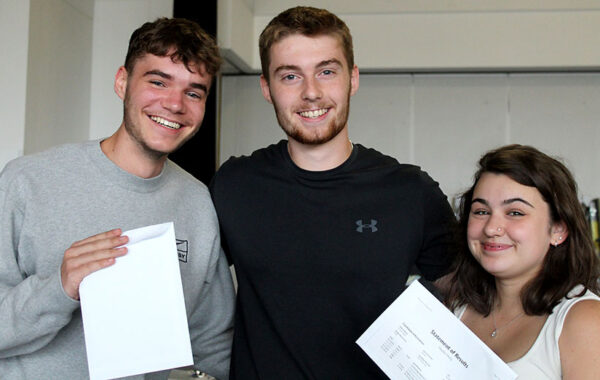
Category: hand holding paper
[134,312]
[89,255]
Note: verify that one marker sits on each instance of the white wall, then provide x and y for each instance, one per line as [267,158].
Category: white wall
[14,27]
[445,122]
[418,117]
[114,21]
[417,36]
[58,73]
[442,122]
[236,33]
[59,66]
[477,41]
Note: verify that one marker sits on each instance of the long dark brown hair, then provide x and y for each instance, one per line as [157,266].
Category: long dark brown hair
[571,263]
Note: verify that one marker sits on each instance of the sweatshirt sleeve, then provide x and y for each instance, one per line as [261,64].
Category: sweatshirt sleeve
[211,320]
[33,308]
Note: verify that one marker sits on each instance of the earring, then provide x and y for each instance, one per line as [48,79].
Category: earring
[556,243]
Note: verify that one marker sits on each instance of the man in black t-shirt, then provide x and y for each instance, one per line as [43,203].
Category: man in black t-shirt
[322,233]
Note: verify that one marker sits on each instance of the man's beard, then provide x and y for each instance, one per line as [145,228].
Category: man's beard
[308,137]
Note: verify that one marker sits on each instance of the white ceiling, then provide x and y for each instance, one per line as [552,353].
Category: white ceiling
[270,7]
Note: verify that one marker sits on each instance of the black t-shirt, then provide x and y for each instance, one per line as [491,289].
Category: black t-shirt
[320,255]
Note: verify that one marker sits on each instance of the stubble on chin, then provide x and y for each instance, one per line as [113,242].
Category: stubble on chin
[134,132]
[313,137]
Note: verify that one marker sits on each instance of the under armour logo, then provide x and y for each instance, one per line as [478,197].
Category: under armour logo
[362,226]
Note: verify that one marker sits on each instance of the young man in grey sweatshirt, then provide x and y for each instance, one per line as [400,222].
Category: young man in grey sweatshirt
[54,206]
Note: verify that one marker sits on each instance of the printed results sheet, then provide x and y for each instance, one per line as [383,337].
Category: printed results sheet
[418,338]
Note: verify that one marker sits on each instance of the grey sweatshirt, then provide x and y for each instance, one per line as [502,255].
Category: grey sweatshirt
[54,198]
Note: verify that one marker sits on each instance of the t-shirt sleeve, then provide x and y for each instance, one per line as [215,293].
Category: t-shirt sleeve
[217,192]
[439,225]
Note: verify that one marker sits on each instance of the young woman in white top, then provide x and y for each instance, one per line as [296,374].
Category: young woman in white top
[526,277]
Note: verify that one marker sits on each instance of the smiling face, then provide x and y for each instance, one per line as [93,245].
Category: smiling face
[509,228]
[310,85]
[163,103]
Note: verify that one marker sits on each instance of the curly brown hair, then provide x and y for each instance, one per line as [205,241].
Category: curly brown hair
[183,40]
[307,21]
[571,263]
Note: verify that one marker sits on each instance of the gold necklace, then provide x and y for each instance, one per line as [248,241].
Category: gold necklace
[496,329]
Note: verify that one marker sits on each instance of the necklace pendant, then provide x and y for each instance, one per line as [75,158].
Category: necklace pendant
[494,333]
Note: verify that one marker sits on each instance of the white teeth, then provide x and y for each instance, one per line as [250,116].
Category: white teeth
[314,113]
[166,123]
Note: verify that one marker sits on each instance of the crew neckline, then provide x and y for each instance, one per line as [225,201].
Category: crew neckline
[319,173]
[120,177]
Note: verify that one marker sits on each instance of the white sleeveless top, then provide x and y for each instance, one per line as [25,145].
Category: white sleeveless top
[542,361]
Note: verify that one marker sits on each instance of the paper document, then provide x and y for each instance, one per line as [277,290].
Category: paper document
[133,312]
[418,338]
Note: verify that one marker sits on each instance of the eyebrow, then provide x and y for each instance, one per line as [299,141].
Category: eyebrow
[332,61]
[164,75]
[286,67]
[159,73]
[505,202]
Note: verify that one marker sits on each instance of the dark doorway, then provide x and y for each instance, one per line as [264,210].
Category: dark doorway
[199,155]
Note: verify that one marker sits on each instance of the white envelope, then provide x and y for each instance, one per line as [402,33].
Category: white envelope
[133,312]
